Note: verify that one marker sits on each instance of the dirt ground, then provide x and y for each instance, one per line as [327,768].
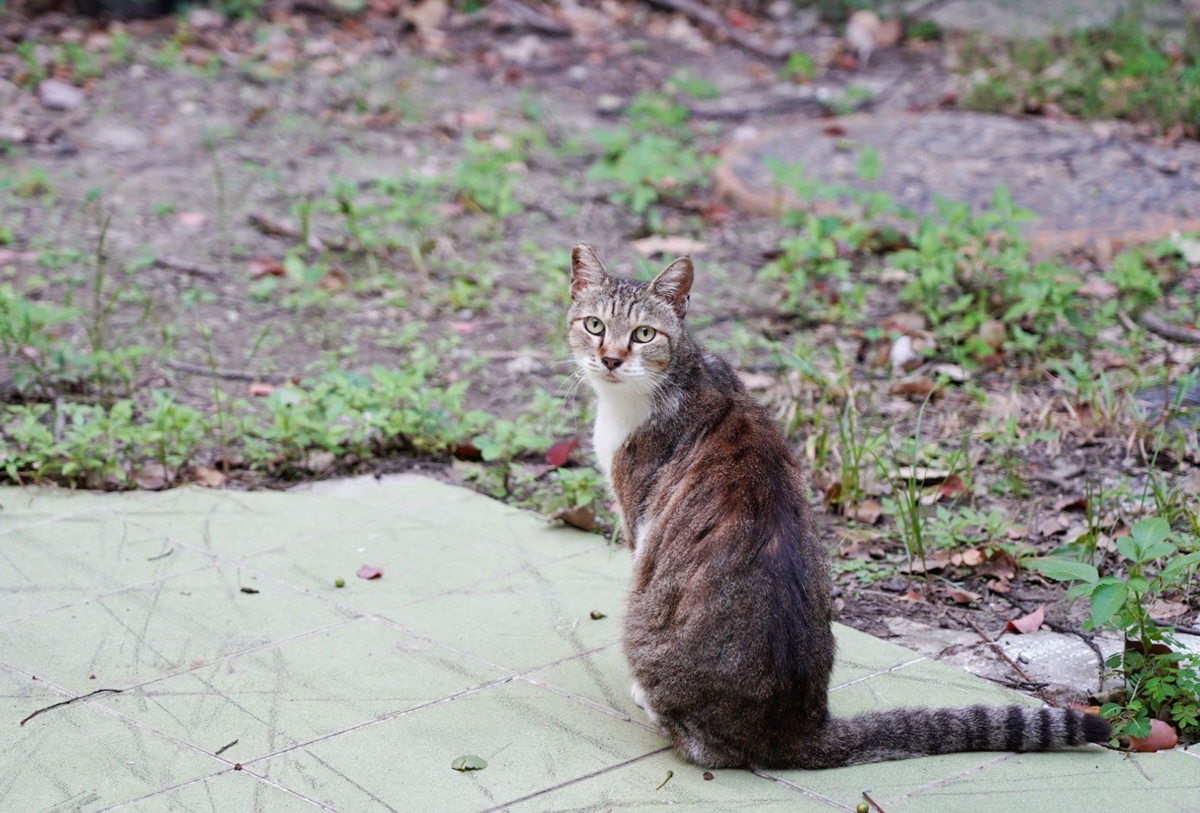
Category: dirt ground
[207,166]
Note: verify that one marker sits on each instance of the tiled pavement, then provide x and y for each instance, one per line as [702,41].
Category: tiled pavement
[479,639]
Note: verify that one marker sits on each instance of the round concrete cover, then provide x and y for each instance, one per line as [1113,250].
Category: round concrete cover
[1085,181]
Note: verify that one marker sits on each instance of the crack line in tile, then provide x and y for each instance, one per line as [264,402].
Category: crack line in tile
[369,723]
[576,780]
[589,703]
[889,670]
[946,780]
[812,794]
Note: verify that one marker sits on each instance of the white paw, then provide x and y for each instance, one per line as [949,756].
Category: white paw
[638,694]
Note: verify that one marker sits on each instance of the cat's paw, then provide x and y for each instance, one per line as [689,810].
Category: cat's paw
[638,694]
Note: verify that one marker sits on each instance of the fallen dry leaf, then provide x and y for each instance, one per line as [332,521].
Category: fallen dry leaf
[207,476]
[999,585]
[467,451]
[868,512]
[1166,610]
[755,382]
[922,474]
[1027,623]
[972,557]
[582,517]
[368,572]
[952,487]
[265,267]
[960,596]
[917,387]
[461,327]
[1161,738]
[154,476]
[191,220]
[673,245]
[560,452]
[260,390]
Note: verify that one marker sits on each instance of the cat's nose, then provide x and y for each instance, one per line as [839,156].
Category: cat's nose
[610,362]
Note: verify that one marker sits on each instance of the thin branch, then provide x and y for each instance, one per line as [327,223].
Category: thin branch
[996,648]
[229,375]
[1176,333]
[873,803]
[747,42]
[189,268]
[69,702]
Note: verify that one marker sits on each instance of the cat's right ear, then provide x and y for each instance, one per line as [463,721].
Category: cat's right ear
[586,269]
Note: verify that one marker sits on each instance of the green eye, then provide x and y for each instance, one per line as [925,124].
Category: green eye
[593,325]
[644,334]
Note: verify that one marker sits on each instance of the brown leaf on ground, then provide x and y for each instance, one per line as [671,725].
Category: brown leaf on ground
[1161,738]
[999,586]
[368,572]
[207,476]
[755,382]
[1071,504]
[154,476]
[192,220]
[938,560]
[867,512]
[1098,288]
[1165,610]
[1027,623]
[911,595]
[467,451]
[670,244]
[560,452]
[972,557]
[1000,565]
[265,267]
[916,387]
[952,487]
[260,390]
[582,517]
[960,596]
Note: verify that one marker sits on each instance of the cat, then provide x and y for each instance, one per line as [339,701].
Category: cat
[728,627]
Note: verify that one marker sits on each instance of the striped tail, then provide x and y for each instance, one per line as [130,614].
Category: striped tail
[906,733]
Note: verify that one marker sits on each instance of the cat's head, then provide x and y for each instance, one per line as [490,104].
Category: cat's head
[623,333]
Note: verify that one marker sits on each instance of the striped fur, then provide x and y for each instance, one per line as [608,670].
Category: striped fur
[728,630]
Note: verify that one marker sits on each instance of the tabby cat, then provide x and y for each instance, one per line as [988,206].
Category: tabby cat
[728,626]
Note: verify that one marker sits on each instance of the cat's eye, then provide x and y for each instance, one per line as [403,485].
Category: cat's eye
[644,334]
[593,325]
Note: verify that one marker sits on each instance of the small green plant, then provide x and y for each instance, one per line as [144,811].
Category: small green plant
[1161,677]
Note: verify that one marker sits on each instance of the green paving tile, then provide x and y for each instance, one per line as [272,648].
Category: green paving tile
[153,630]
[1166,782]
[79,758]
[279,697]
[532,739]
[601,677]
[232,791]
[532,618]
[639,787]
[417,562]
[924,683]
[19,696]
[51,564]
[859,655]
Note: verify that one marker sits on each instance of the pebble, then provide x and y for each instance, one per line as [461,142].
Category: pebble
[56,95]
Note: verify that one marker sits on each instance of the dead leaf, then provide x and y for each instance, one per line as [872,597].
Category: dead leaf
[999,585]
[1098,288]
[960,596]
[675,246]
[1027,623]
[560,452]
[868,512]
[921,474]
[207,476]
[972,557]
[154,476]
[938,560]
[319,461]
[260,390]
[918,387]
[834,131]
[1071,504]
[1161,738]
[265,267]
[993,333]
[368,572]
[1054,525]
[461,327]
[911,595]
[952,487]
[578,516]
[426,16]
[1165,610]
[955,373]
[467,451]
[192,220]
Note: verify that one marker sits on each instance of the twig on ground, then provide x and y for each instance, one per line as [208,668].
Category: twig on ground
[69,702]
[189,268]
[1037,687]
[516,14]
[224,748]
[230,375]
[1176,333]
[872,802]
[161,555]
[748,42]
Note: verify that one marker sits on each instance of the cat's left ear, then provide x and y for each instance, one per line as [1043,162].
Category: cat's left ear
[674,283]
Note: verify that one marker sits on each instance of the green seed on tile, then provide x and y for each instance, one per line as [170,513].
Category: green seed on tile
[597,615]
[339,582]
[863,807]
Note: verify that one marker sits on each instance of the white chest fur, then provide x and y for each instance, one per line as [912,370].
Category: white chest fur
[620,409]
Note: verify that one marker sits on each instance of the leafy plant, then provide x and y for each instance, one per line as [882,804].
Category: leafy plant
[1161,678]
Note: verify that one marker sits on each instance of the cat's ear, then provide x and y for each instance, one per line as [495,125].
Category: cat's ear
[674,283]
[586,269]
